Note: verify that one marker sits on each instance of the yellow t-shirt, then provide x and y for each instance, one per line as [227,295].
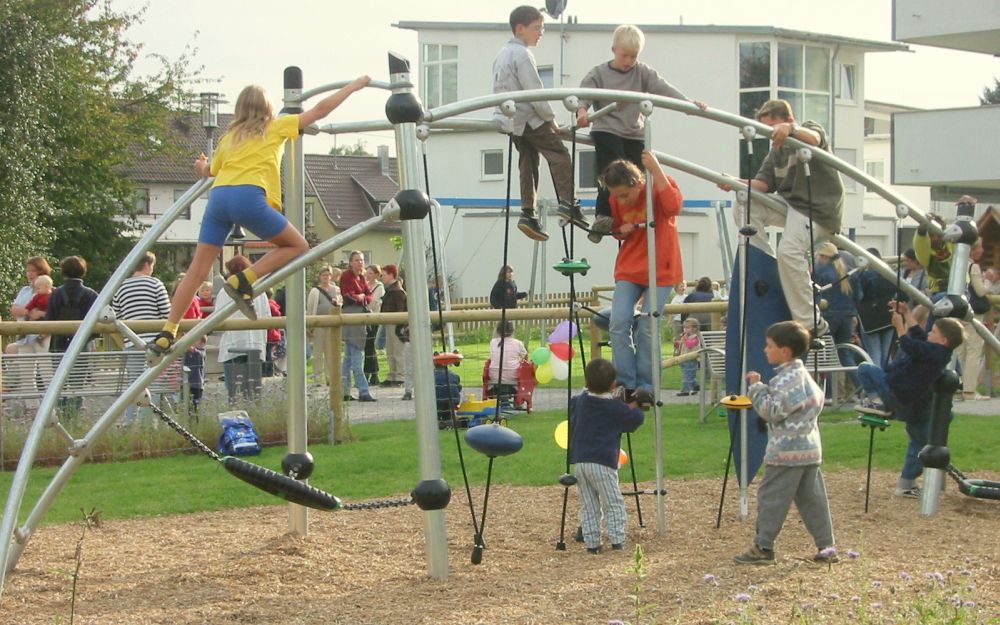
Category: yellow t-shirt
[256,161]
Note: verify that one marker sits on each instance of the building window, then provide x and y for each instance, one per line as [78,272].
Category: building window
[585,163]
[547,74]
[846,83]
[876,169]
[186,213]
[491,165]
[440,74]
[755,76]
[794,72]
[310,212]
[849,156]
[141,201]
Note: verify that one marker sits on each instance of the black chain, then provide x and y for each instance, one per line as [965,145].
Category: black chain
[379,503]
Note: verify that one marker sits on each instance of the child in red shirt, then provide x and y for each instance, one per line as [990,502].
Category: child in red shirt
[627,187]
[39,302]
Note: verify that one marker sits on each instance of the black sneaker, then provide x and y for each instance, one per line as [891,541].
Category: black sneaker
[643,398]
[366,398]
[571,213]
[529,225]
[241,294]
[594,550]
[617,546]
[755,555]
[161,344]
[826,556]
[578,537]
[348,398]
[600,228]
[816,335]
[873,406]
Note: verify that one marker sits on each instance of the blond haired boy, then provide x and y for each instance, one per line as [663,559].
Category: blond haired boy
[619,134]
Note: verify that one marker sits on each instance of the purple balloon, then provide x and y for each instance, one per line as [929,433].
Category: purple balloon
[564,332]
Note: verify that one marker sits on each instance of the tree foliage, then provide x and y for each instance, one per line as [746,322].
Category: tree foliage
[358,149]
[74,116]
[991,95]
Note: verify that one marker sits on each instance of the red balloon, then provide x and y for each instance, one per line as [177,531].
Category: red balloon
[563,351]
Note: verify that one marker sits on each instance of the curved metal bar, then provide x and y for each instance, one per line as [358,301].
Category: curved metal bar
[687,108]
[13,551]
[315,91]
[48,403]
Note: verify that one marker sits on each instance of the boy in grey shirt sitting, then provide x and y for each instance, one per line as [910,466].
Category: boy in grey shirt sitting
[534,131]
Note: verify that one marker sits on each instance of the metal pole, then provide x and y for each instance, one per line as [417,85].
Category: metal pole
[295,297]
[419,318]
[654,308]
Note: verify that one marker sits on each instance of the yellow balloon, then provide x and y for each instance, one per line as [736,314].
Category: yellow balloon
[562,433]
[622,458]
[544,373]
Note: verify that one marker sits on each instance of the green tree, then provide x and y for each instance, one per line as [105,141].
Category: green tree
[358,149]
[75,117]
[991,95]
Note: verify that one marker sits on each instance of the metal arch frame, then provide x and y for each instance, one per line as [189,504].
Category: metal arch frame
[13,540]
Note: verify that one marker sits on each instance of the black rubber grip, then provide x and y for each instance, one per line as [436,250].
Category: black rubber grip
[281,485]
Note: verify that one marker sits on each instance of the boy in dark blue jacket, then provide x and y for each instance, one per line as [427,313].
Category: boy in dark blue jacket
[905,387]
[597,420]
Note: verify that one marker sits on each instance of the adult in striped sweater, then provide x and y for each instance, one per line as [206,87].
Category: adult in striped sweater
[141,296]
[790,405]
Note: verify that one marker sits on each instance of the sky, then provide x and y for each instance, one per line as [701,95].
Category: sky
[240,42]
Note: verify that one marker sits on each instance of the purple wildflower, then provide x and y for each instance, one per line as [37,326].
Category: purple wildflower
[876,584]
[876,605]
[807,606]
[834,597]
[969,604]
[856,599]
[828,552]
[616,622]
[905,575]
[935,576]
[853,554]
[742,597]
[710,579]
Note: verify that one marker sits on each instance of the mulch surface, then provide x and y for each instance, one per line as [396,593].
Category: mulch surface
[361,567]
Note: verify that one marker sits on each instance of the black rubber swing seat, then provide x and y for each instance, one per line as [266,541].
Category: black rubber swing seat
[280,485]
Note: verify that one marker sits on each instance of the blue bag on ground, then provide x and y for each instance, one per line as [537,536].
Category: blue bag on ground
[239,437]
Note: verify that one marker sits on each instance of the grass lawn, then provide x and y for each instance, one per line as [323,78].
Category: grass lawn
[383,463]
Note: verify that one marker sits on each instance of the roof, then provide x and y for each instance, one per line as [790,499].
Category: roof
[349,188]
[179,166]
[688,29]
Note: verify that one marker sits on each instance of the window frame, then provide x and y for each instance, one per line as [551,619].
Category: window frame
[584,173]
[186,215]
[488,177]
[437,67]
[838,84]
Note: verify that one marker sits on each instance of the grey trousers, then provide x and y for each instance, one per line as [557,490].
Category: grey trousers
[779,488]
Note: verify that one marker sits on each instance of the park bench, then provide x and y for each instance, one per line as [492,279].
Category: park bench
[94,374]
[713,364]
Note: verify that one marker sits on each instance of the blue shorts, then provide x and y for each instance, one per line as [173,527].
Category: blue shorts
[243,204]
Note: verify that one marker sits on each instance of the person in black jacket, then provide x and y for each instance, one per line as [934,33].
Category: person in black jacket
[505,293]
[905,386]
[71,301]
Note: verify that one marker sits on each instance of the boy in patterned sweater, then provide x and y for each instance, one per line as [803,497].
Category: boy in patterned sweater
[790,404]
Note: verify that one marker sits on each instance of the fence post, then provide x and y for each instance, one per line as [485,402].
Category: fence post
[340,432]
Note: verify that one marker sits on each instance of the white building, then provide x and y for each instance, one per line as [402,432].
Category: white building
[733,68]
[954,151]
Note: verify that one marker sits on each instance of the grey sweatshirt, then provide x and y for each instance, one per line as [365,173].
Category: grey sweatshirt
[625,120]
